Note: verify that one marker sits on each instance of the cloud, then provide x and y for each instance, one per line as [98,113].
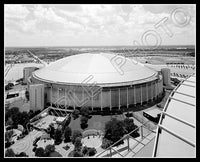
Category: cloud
[15,11]
[89,24]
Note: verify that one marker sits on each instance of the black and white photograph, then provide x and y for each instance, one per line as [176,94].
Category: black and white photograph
[99,80]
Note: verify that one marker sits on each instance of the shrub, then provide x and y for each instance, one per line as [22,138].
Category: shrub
[130,126]
[114,130]
[129,114]
[39,152]
[92,151]
[77,154]
[67,134]
[85,150]
[84,121]
[58,136]
[8,135]
[106,143]
[66,147]
[75,114]
[75,134]
[85,112]
[77,144]
[22,154]
[49,149]
[34,149]
[7,144]
[9,153]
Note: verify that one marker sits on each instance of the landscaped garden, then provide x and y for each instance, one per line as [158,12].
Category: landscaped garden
[81,134]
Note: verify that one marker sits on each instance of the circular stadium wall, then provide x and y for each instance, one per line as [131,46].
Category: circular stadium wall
[98,81]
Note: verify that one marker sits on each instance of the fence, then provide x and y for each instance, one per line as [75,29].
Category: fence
[92,132]
[144,134]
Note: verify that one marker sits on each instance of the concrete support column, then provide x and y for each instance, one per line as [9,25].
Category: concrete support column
[101,100]
[142,132]
[119,98]
[141,94]
[128,143]
[74,98]
[51,95]
[147,91]
[58,94]
[152,91]
[127,96]
[110,100]
[92,100]
[156,89]
[83,99]
[134,93]
[65,97]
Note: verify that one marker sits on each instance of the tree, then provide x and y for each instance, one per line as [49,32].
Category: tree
[22,154]
[114,130]
[8,135]
[130,126]
[85,112]
[31,114]
[85,150]
[84,121]
[39,152]
[9,121]
[9,153]
[27,95]
[58,136]
[17,117]
[92,151]
[106,143]
[75,134]
[75,114]
[23,118]
[13,113]
[77,144]
[77,154]
[65,123]
[68,133]
[74,153]
[49,149]
[88,151]
[51,130]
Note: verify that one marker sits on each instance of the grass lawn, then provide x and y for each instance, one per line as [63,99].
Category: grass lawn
[96,122]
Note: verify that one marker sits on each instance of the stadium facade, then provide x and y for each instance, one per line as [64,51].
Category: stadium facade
[99,81]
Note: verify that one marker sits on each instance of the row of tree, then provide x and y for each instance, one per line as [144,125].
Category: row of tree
[10,153]
[14,118]
[85,115]
[41,152]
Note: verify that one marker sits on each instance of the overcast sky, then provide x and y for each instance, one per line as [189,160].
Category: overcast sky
[94,25]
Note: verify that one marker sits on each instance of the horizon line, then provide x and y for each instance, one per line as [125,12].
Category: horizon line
[96,46]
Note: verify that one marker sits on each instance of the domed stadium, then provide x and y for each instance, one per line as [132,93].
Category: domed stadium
[98,81]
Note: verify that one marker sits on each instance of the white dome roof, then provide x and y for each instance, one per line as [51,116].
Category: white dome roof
[101,67]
